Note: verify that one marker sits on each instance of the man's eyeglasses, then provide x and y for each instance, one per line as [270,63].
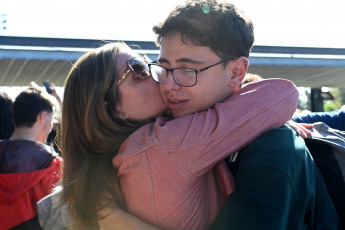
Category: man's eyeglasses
[138,66]
[185,77]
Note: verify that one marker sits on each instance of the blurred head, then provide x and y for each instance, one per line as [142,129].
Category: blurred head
[198,35]
[251,77]
[33,106]
[6,116]
[108,95]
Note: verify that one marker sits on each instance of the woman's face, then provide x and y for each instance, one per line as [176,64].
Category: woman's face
[140,98]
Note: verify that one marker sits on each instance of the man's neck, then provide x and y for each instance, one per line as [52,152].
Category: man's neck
[23,133]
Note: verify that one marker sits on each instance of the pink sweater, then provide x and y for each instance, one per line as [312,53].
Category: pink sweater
[167,169]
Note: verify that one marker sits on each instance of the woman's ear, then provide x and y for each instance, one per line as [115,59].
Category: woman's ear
[119,113]
[239,69]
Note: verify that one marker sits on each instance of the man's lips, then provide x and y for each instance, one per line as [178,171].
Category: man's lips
[176,103]
[175,100]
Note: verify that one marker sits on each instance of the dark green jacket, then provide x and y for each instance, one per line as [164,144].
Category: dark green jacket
[276,184]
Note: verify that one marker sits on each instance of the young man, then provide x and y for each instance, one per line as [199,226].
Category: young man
[29,168]
[276,179]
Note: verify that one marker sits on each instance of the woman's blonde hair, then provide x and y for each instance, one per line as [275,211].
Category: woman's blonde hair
[91,135]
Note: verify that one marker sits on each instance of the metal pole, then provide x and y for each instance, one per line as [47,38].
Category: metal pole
[316,100]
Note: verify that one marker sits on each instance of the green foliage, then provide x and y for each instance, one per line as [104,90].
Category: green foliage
[329,106]
[339,100]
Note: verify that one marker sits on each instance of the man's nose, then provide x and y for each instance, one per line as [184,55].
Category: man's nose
[170,83]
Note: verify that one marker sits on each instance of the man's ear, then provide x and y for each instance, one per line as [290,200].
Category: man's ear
[239,69]
[41,117]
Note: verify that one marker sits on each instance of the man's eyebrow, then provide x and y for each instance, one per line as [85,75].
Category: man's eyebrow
[188,60]
[181,60]
[163,60]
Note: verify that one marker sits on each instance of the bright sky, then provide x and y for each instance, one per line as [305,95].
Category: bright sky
[314,23]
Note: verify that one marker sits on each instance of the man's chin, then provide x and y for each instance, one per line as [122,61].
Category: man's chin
[177,114]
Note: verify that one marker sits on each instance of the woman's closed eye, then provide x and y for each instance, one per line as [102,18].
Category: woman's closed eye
[138,78]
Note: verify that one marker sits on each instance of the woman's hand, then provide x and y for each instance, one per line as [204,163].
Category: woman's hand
[301,128]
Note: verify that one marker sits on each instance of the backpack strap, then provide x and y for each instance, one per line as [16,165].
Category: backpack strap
[233,162]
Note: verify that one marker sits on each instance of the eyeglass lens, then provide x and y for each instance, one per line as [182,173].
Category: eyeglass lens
[183,76]
[139,67]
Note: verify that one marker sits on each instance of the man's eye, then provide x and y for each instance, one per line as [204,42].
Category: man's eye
[188,71]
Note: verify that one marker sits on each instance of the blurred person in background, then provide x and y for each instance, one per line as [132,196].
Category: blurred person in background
[334,119]
[6,116]
[51,89]
[251,77]
[29,168]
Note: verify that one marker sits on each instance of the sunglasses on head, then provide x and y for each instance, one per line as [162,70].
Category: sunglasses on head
[138,66]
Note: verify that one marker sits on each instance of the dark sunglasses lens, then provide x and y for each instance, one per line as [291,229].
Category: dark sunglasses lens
[139,67]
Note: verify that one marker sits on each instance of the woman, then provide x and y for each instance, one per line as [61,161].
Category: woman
[108,95]
[93,129]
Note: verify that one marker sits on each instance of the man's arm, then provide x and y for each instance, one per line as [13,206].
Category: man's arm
[335,119]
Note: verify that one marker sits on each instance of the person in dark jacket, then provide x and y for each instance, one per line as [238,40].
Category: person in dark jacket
[29,169]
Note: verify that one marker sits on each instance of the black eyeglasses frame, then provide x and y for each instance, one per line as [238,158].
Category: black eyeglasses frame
[195,70]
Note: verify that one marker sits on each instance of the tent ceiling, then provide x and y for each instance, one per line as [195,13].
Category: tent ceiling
[25,59]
